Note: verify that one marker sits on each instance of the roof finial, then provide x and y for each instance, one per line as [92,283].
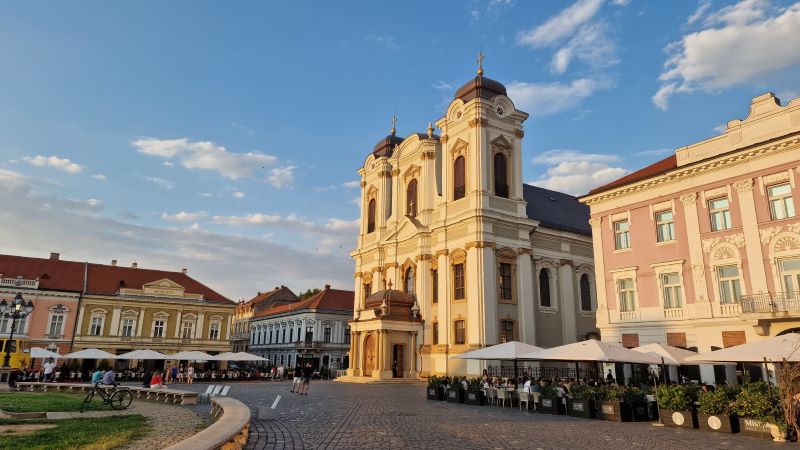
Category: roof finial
[480,63]
[430,129]
[394,124]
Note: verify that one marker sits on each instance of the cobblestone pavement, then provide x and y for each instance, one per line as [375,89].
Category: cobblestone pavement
[166,424]
[349,416]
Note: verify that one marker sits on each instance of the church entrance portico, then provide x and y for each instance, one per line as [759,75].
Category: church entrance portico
[369,355]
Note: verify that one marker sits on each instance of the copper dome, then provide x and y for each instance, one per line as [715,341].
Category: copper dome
[399,303]
[386,146]
[480,86]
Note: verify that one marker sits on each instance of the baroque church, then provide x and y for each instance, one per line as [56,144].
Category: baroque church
[456,253]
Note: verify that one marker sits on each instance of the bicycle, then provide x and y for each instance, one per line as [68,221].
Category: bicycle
[118,398]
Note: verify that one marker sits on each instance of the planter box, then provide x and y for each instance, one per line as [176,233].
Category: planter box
[721,423]
[683,419]
[581,408]
[641,412]
[455,395]
[476,398]
[614,411]
[754,427]
[435,393]
[552,406]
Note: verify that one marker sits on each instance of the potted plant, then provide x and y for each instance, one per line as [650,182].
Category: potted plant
[455,391]
[676,405]
[637,400]
[581,402]
[759,414]
[475,395]
[611,404]
[435,391]
[715,410]
[551,402]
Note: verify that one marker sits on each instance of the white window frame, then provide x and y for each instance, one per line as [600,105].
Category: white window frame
[622,238]
[785,201]
[724,213]
[729,280]
[100,315]
[163,317]
[668,225]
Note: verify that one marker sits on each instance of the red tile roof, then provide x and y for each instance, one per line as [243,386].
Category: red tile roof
[331,299]
[655,169]
[53,274]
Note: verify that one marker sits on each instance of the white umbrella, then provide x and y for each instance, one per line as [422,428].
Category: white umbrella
[244,356]
[143,354]
[504,352]
[90,353]
[38,352]
[192,355]
[673,356]
[774,349]
[592,350]
[227,356]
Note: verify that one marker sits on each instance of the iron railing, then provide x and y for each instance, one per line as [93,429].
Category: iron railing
[770,302]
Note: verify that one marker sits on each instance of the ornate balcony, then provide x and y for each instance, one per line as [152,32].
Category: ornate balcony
[772,302]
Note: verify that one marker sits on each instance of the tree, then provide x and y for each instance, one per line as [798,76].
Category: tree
[309,293]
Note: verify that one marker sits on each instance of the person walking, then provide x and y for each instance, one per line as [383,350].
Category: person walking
[49,367]
[189,374]
[307,372]
[180,374]
[298,378]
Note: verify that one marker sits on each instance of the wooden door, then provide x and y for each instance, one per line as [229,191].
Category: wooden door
[398,356]
[369,355]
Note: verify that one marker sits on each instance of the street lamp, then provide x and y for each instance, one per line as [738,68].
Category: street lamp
[14,310]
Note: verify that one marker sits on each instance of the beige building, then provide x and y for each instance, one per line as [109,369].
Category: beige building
[702,249]
[242,315]
[475,257]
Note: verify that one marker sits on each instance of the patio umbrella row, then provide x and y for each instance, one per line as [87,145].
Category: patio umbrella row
[146,354]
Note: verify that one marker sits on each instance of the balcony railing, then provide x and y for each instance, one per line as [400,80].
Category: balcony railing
[771,302]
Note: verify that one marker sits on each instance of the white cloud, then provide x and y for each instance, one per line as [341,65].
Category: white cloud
[184,216]
[575,172]
[620,2]
[281,177]
[206,155]
[699,12]
[63,164]
[238,194]
[751,41]
[169,164]
[442,86]
[562,25]
[384,40]
[161,182]
[354,184]
[721,128]
[206,194]
[99,176]
[542,99]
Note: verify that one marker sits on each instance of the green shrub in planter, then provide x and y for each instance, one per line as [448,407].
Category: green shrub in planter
[715,410]
[475,395]
[455,391]
[434,390]
[756,409]
[611,404]
[676,404]
[581,402]
[551,402]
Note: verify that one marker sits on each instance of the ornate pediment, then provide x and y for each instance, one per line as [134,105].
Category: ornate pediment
[164,286]
[502,142]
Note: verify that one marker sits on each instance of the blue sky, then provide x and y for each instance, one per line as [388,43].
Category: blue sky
[225,137]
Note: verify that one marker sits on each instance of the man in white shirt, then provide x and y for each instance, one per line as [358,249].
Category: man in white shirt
[527,386]
[49,367]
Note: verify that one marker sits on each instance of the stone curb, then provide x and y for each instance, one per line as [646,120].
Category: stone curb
[229,432]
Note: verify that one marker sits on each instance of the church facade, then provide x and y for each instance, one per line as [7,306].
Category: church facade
[456,253]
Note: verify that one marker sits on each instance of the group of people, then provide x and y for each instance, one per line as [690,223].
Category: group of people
[302,378]
[104,376]
[176,374]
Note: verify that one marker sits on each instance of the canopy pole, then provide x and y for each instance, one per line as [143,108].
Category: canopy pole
[655,394]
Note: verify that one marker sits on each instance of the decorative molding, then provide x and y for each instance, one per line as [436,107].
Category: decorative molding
[519,134]
[737,240]
[744,185]
[768,233]
[412,171]
[776,177]
[708,244]
[794,227]
[363,183]
[459,147]
[595,221]
[502,142]
[724,252]
[525,251]
[444,139]
[787,243]
[478,121]
[689,199]
[357,275]
[395,172]
[478,244]
[388,266]
[439,253]
[423,257]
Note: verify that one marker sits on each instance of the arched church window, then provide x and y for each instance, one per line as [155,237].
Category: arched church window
[459,178]
[586,293]
[411,198]
[371,216]
[544,288]
[408,280]
[500,175]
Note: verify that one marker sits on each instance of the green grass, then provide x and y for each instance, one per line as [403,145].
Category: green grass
[86,434]
[46,402]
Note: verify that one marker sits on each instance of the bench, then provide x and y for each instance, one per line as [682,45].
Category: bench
[228,432]
[172,396]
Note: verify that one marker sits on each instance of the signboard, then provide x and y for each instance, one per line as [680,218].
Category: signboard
[308,355]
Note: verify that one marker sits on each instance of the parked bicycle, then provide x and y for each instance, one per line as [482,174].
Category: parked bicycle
[118,398]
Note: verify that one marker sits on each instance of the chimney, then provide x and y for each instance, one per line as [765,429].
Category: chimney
[135,265]
[113,263]
[327,287]
[54,255]
[183,271]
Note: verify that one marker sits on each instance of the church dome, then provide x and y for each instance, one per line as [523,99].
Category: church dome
[480,86]
[386,146]
[400,304]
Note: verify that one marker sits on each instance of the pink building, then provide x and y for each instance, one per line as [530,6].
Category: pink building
[702,249]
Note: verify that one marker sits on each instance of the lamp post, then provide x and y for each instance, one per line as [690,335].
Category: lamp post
[14,310]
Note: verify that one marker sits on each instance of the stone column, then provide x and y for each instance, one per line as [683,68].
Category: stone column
[525,300]
[201,318]
[566,283]
[387,343]
[695,247]
[359,294]
[177,325]
[488,320]
[602,315]
[474,294]
[140,323]
[413,352]
[755,257]
[115,314]
[81,312]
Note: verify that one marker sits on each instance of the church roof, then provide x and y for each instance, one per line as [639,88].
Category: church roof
[386,146]
[556,210]
[480,86]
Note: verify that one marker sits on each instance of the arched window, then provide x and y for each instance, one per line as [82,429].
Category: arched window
[544,288]
[411,199]
[459,178]
[408,280]
[586,293]
[500,176]
[371,216]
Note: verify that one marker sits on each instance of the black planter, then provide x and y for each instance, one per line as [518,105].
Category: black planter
[614,411]
[552,406]
[581,408]
[435,393]
[721,423]
[683,419]
[475,398]
[754,427]
[641,412]
[455,395]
